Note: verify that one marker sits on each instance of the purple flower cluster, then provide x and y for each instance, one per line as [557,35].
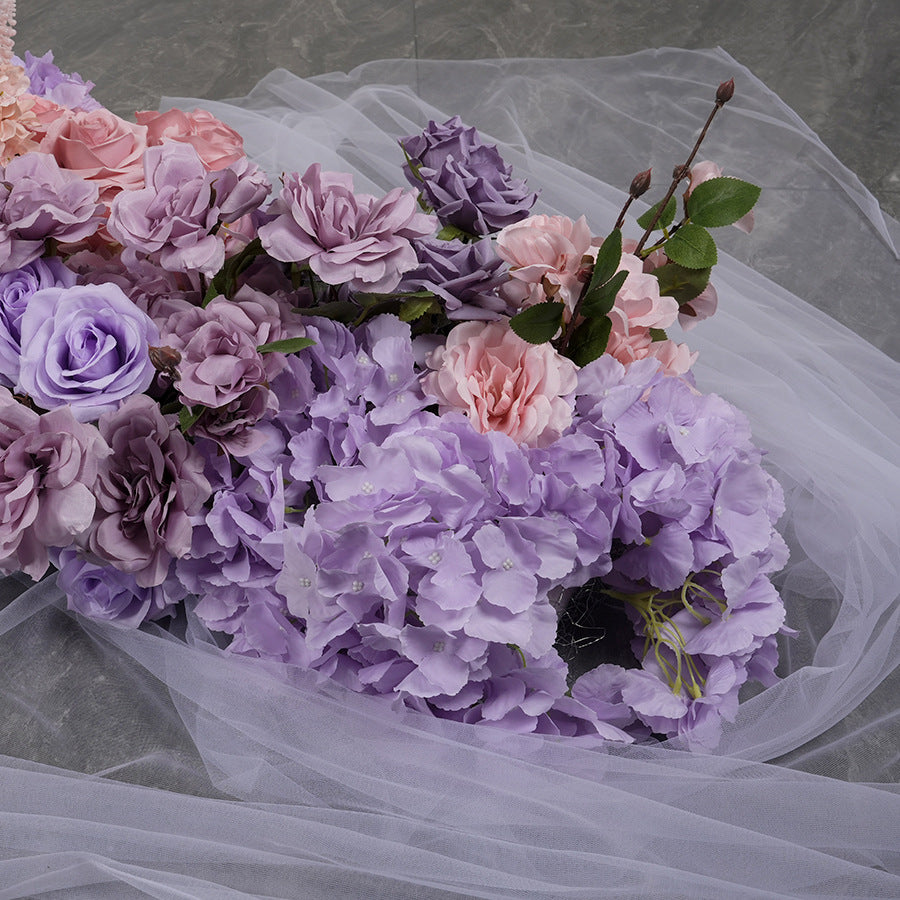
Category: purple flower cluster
[47,80]
[465,181]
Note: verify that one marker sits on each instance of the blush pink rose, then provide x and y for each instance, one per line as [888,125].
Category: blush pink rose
[100,147]
[217,145]
[546,259]
[675,359]
[703,171]
[638,303]
[503,383]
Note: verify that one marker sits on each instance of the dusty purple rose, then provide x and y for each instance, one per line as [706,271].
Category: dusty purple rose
[105,593]
[464,276]
[346,238]
[464,180]
[48,80]
[147,491]
[39,200]
[85,346]
[48,467]
[178,213]
[16,289]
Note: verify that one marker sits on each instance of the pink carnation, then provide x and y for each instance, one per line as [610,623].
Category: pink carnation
[503,383]
[546,259]
[100,147]
[217,145]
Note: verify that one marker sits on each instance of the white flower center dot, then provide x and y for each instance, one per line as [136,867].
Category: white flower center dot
[357,586]
[507,564]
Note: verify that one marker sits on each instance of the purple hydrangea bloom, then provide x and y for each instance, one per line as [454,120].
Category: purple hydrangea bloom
[85,347]
[464,180]
[49,81]
[347,238]
[39,200]
[16,288]
[464,276]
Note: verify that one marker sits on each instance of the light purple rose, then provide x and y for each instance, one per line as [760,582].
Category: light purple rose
[147,491]
[16,289]
[85,347]
[39,200]
[464,180]
[178,213]
[47,80]
[48,467]
[346,238]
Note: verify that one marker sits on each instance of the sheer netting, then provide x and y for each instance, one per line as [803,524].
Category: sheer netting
[153,764]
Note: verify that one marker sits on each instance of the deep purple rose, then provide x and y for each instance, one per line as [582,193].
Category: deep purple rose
[464,276]
[464,180]
[346,238]
[48,467]
[85,346]
[16,289]
[39,200]
[146,491]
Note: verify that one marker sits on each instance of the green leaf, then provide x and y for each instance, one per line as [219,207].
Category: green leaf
[681,283]
[412,309]
[538,323]
[187,417]
[599,301]
[665,220]
[692,247]
[721,201]
[658,334]
[589,340]
[341,310]
[608,257]
[289,345]
[449,232]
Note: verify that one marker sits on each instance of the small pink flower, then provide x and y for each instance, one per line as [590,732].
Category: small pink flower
[100,147]
[545,254]
[676,359]
[638,303]
[703,171]
[216,143]
[503,383]
[701,307]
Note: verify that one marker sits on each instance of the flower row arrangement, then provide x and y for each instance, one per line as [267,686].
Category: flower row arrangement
[387,439]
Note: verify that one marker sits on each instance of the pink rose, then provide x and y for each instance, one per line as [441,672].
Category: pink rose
[546,259]
[638,303]
[503,383]
[217,145]
[703,172]
[100,147]
[675,359]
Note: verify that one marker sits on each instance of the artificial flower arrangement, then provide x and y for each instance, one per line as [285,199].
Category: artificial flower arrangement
[413,443]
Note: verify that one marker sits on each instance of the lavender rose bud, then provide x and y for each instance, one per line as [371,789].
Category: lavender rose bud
[346,238]
[16,289]
[40,200]
[464,180]
[48,467]
[464,276]
[147,491]
[85,347]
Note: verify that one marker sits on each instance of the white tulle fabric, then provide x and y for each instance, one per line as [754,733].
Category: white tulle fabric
[142,764]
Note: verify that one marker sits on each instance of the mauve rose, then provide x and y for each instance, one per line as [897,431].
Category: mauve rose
[100,147]
[346,238]
[85,347]
[503,383]
[545,255]
[147,490]
[48,468]
[38,200]
[16,289]
[216,144]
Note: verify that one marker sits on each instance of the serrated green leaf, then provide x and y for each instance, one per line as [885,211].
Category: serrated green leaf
[681,283]
[289,345]
[539,323]
[599,301]
[721,201]
[589,340]
[608,257]
[414,308]
[449,232]
[665,220]
[692,247]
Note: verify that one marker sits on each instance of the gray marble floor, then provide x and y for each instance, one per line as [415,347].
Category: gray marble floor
[834,61]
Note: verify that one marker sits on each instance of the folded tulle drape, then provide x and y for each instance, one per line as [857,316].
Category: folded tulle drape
[148,764]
